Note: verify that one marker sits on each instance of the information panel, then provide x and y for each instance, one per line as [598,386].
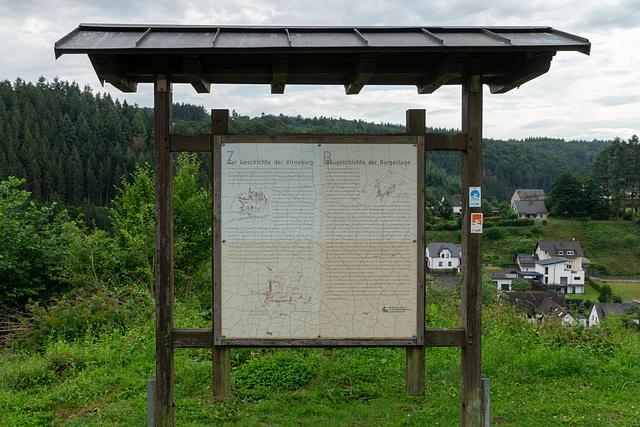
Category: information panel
[318,241]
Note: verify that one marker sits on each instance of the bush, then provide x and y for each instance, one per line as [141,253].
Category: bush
[72,318]
[32,247]
[493,234]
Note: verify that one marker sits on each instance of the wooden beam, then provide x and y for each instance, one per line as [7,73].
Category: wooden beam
[108,70]
[446,141]
[163,171]
[279,73]
[362,73]
[414,382]
[471,300]
[522,74]
[415,356]
[194,74]
[192,338]
[445,337]
[433,337]
[221,355]
[448,69]
[324,138]
[194,142]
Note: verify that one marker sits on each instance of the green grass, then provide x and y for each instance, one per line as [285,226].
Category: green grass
[541,375]
[627,291]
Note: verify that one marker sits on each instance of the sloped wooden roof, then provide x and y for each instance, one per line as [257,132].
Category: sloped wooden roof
[425,57]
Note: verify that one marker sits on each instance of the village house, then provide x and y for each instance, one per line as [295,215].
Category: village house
[443,256]
[556,265]
[503,278]
[536,305]
[530,209]
[600,310]
[521,195]
[561,264]
[456,203]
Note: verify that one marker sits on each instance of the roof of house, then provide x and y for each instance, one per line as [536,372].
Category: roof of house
[530,207]
[605,309]
[503,273]
[529,194]
[550,261]
[435,249]
[427,57]
[532,274]
[549,307]
[455,199]
[526,260]
[554,247]
[530,301]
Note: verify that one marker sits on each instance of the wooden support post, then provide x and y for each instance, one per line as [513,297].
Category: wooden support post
[415,356]
[471,252]
[221,356]
[164,250]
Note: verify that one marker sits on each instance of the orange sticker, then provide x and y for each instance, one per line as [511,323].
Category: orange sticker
[476,222]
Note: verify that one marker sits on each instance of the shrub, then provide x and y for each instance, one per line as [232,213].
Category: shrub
[72,318]
[32,247]
[494,234]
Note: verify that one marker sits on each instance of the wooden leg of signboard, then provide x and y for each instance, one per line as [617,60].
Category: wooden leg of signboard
[221,371]
[163,251]
[471,297]
[414,379]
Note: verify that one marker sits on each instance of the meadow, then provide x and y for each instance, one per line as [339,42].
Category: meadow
[542,374]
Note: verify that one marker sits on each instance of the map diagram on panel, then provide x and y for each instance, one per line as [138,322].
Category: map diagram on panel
[252,203]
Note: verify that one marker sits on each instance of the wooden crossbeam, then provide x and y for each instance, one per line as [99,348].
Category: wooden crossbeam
[279,75]
[520,75]
[193,142]
[109,71]
[446,141]
[194,74]
[448,69]
[433,337]
[362,73]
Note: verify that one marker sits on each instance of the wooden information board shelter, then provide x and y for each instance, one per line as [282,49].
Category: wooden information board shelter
[502,58]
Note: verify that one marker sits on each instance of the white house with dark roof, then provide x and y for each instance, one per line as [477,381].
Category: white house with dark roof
[600,310]
[443,256]
[555,275]
[570,251]
[530,209]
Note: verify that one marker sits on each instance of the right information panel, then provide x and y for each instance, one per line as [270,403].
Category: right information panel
[318,241]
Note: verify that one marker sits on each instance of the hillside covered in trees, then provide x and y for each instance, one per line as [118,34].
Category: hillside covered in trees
[73,146]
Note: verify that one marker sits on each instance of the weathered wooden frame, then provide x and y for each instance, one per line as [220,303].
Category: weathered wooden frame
[467,337]
[325,140]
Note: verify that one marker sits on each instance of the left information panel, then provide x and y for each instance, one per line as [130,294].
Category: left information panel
[318,241]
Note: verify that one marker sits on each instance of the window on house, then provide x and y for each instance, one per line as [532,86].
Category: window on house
[440,264]
[563,281]
[546,270]
[570,252]
[560,252]
[449,263]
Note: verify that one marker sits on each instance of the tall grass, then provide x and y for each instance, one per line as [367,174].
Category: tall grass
[542,374]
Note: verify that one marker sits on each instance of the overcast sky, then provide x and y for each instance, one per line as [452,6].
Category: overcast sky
[581,97]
